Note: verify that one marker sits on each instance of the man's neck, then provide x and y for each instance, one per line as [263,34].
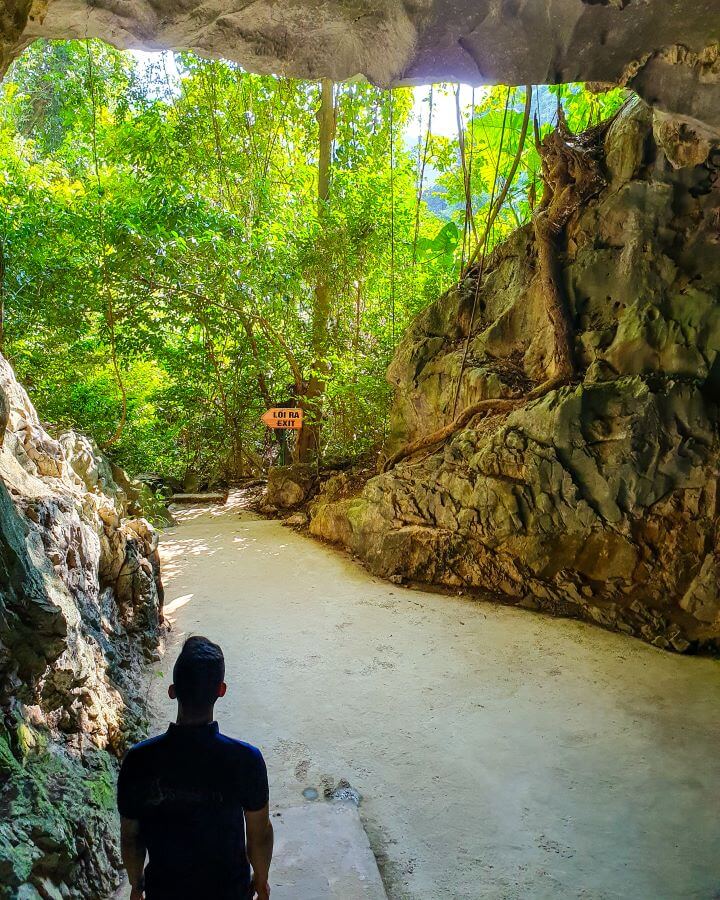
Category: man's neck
[192,718]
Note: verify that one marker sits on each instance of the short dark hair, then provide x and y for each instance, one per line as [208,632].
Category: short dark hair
[198,672]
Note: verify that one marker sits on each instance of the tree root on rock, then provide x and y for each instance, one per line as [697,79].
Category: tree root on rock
[483,408]
[572,175]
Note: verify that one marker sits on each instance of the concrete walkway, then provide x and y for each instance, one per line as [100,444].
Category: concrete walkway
[497,753]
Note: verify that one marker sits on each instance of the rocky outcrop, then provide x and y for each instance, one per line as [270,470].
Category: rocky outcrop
[599,500]
[79,613]
[668,53]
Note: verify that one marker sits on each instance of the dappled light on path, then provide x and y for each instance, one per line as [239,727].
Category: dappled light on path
[174,551]
[177,603]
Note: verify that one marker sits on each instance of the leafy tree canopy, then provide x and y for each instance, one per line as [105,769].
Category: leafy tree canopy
[161,240]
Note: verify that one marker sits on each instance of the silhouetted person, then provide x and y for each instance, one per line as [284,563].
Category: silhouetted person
[189,797]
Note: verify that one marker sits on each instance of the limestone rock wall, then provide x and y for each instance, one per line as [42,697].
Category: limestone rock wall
[79,614]
[599,500]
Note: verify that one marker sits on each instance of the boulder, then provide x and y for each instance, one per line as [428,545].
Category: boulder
[297,520]
[191,483]
[681,143]
[289,486]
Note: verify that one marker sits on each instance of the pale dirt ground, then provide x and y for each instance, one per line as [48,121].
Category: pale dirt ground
[499,753]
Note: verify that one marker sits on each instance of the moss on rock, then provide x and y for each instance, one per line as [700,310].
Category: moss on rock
[59,822]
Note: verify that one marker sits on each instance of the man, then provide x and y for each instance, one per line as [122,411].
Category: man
[189,797]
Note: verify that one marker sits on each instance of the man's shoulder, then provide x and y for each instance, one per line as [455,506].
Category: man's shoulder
[149,745]
[238,748]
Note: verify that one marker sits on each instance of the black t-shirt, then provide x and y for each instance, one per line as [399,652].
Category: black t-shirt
[188,789]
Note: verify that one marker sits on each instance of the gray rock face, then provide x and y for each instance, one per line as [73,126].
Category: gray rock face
[80,600]
[600,499]
[4,415]
[667,52]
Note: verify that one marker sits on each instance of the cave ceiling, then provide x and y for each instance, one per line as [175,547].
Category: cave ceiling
[666,50]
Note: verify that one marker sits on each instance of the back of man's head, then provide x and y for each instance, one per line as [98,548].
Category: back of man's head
[198,673]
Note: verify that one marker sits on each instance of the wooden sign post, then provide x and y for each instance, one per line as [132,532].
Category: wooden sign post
[283,419]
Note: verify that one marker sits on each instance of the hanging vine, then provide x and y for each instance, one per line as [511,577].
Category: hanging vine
[486,237]
[497,203]
[421,178]
[469,220]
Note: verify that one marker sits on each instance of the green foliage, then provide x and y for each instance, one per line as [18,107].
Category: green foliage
[492,134]
[584,108]
[442,246]
[169,225]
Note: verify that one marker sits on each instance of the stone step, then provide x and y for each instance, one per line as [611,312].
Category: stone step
[322,853]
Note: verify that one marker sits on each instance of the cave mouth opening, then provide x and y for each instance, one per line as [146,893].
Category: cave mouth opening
[636,432]
[442,174]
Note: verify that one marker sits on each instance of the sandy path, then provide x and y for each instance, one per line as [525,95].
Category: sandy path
[499,754]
